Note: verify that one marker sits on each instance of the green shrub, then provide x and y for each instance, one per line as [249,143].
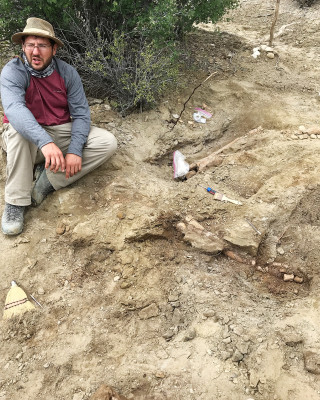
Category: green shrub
[123,49]
[131,71]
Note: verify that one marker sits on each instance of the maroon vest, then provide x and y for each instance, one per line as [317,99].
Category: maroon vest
[47,99]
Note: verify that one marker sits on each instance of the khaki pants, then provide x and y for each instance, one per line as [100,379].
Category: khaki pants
[22,155]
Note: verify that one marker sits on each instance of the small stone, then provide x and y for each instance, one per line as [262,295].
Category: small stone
[173,297]
[225,355]
[116,278]
[312,362]
[78,396]
[46,365]
[243,347]
[61,228]
[280,251]
[121,215]
[270,55]
[160,375]
[190,335]
[237,356]
[209,314]
[125,285]
[41,291]
[175,116]
[168,335]
[288,277]
[294,137]
[254,379]
[313,136]
[149,312]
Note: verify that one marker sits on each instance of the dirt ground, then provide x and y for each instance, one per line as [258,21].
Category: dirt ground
[133,295]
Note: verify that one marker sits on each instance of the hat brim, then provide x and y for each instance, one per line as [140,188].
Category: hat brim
[17,37]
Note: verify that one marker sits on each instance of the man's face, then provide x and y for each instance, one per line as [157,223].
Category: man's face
[40,54]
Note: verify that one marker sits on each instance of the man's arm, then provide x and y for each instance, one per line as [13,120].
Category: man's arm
[78,107]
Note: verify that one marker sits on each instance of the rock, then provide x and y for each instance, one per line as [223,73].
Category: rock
[280,251]
[198,237]
[270,55]
[78,396]
[177,317]
[41,291]
[125,285]
[149,312]
[121,215]
[312,362]
[160,374]
[209,314]
[173,298]
[237,356]
[302,129]
[190,335]
[126,258]
[243,347]
[83,233]
[106,393]
[168,335]
[254,379]
[61,228]
[225,355]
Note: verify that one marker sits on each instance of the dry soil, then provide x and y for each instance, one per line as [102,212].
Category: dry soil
[133,295]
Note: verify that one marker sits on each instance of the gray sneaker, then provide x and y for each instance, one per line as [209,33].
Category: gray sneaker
[41,189]
[12,219]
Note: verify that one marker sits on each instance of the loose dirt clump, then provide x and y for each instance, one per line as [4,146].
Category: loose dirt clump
[148,284]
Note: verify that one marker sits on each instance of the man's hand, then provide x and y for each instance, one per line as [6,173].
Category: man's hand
[73,164]
[53,157]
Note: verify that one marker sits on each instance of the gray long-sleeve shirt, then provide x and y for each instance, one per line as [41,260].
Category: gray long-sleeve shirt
[15,80]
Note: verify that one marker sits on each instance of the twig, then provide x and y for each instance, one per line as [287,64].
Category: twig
[184,105]
[252,226]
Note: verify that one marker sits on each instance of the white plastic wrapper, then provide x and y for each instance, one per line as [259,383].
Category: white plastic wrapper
[180,167]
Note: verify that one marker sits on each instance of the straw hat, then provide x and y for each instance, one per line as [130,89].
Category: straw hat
[36,27]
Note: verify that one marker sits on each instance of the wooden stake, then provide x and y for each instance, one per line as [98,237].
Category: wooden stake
[274,22]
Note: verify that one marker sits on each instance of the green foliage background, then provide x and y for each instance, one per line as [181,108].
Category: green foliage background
[144,34]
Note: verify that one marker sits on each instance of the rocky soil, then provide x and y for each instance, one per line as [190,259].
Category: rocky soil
[150,285]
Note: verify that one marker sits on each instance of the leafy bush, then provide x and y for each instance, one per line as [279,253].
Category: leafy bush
[131,71]
[134,59]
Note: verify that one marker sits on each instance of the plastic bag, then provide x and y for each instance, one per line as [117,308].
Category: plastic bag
[180,167]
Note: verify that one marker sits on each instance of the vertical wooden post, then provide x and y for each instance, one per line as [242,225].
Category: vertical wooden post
[274,22]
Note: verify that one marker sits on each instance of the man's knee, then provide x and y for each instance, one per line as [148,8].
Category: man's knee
[106,142]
